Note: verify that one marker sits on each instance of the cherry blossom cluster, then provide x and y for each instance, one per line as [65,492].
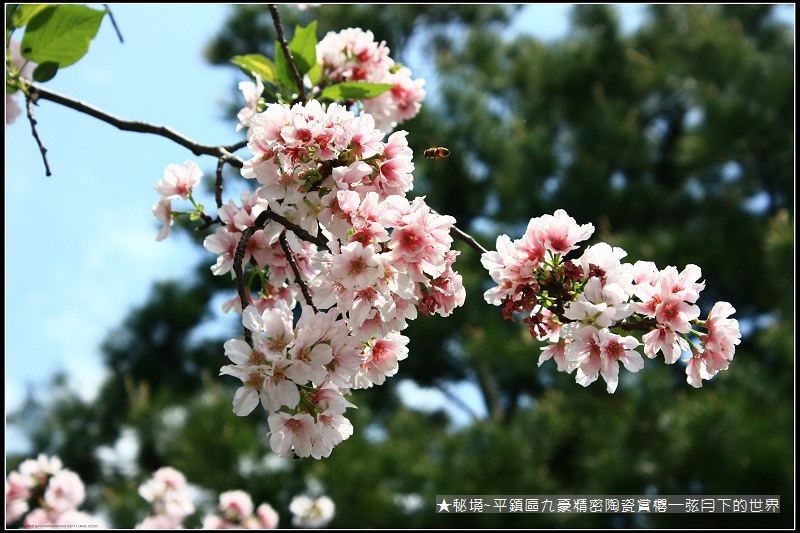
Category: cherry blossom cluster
[310,512]
[177,183]
[168,495]
[236,511]
[353,55]
[338,259]
[587,308]
[41,492]
[367,258]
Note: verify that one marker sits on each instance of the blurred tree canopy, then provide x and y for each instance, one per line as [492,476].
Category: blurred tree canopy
[676,141]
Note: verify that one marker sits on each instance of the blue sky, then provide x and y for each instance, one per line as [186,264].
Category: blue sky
[80,245]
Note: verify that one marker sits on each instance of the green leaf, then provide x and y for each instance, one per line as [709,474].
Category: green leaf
[315,74]
[252,64]
[304,47]
[45,71]
[10,9]
[24,13]
[354,90]
[286,84]
[60,33]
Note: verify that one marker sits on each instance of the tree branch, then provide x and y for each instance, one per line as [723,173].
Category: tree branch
[469,239]
[238,271]
[218,184]
[276,19]
[297,277]
[222,152]
[114,23]
[300,232]
[30,99]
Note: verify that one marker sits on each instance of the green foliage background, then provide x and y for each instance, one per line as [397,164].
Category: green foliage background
[676,141]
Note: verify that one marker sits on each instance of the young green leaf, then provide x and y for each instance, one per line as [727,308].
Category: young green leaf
[22,14]
[315,74]
[45,71]
[257,64]
[354,90]
[304,47]
[286,84]
[60,34]
[10,9]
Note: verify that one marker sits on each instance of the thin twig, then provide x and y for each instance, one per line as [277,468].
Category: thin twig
[30,99]
[237,146]
[297,277]
[276,19]
[218,183]
[217,197]
[114,23]
[469,239]
[208,223]
[222,152]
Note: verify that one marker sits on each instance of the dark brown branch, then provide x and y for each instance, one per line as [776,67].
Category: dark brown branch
[30,99]
[235,147]
[238,257]
[300,232]
[217,197]
[208,223]
[297,277]
[276,19]
[647,324]
[218,183]
[222,152]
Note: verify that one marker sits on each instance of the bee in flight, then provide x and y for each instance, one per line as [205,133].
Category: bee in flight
[436,153]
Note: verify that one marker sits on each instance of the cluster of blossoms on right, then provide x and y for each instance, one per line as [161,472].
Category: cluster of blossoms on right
[587,308]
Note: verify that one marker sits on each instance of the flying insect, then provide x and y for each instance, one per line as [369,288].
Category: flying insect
[436,152]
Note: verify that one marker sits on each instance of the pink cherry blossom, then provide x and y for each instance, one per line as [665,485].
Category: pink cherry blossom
[291,433]
[665,340]
[162,210]
[252,93]
[596,352]
[559,232]
[311,512]
[267,517]
[223,243]
[179,181]
[65,491]
[381,359]
[13,111]
[723,335]
[357,266]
